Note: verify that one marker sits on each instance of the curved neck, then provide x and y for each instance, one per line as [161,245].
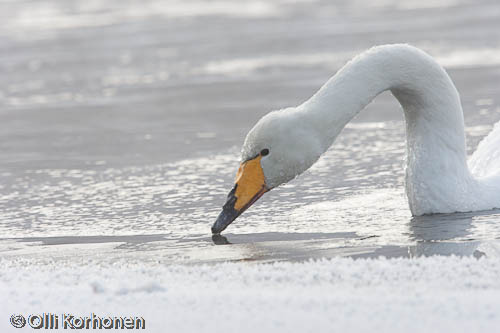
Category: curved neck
[434,119]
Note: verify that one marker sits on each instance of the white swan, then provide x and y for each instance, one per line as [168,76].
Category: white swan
[285,143]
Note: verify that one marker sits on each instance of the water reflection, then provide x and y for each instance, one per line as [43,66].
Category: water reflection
[440,234]
[280,237]
[454,234]
[440,227]
[220,240]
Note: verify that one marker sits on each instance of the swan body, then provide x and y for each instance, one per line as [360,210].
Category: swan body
[438,178]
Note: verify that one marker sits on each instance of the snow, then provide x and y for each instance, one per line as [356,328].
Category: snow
[430,294]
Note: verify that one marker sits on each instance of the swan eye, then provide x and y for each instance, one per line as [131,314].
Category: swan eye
[264,152]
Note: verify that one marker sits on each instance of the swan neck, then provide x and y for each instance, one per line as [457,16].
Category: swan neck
[434,119]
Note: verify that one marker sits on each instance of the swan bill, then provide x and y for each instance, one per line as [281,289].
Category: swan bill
[249,186]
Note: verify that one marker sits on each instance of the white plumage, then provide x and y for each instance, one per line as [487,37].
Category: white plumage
[438,179]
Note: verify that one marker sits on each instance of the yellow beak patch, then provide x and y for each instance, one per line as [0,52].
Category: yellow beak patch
[250,186]
[250,183]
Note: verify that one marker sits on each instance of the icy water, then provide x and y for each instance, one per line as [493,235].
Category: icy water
[121,124]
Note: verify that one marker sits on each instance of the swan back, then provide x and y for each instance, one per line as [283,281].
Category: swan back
[485,161]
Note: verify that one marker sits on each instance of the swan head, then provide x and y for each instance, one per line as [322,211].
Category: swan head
[278,148]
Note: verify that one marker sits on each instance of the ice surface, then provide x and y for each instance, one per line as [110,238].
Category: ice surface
[432,294]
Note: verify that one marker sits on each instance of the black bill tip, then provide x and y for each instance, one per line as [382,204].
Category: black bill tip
[228,214]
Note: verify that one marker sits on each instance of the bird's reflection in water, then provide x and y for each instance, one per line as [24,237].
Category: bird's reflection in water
[453,234]
[220,240]
[463,234]
[271,237]
[441,227]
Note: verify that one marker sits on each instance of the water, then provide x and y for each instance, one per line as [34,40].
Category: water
[121,125]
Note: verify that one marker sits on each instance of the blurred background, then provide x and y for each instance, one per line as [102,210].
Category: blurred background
[126,117]
[134,82]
